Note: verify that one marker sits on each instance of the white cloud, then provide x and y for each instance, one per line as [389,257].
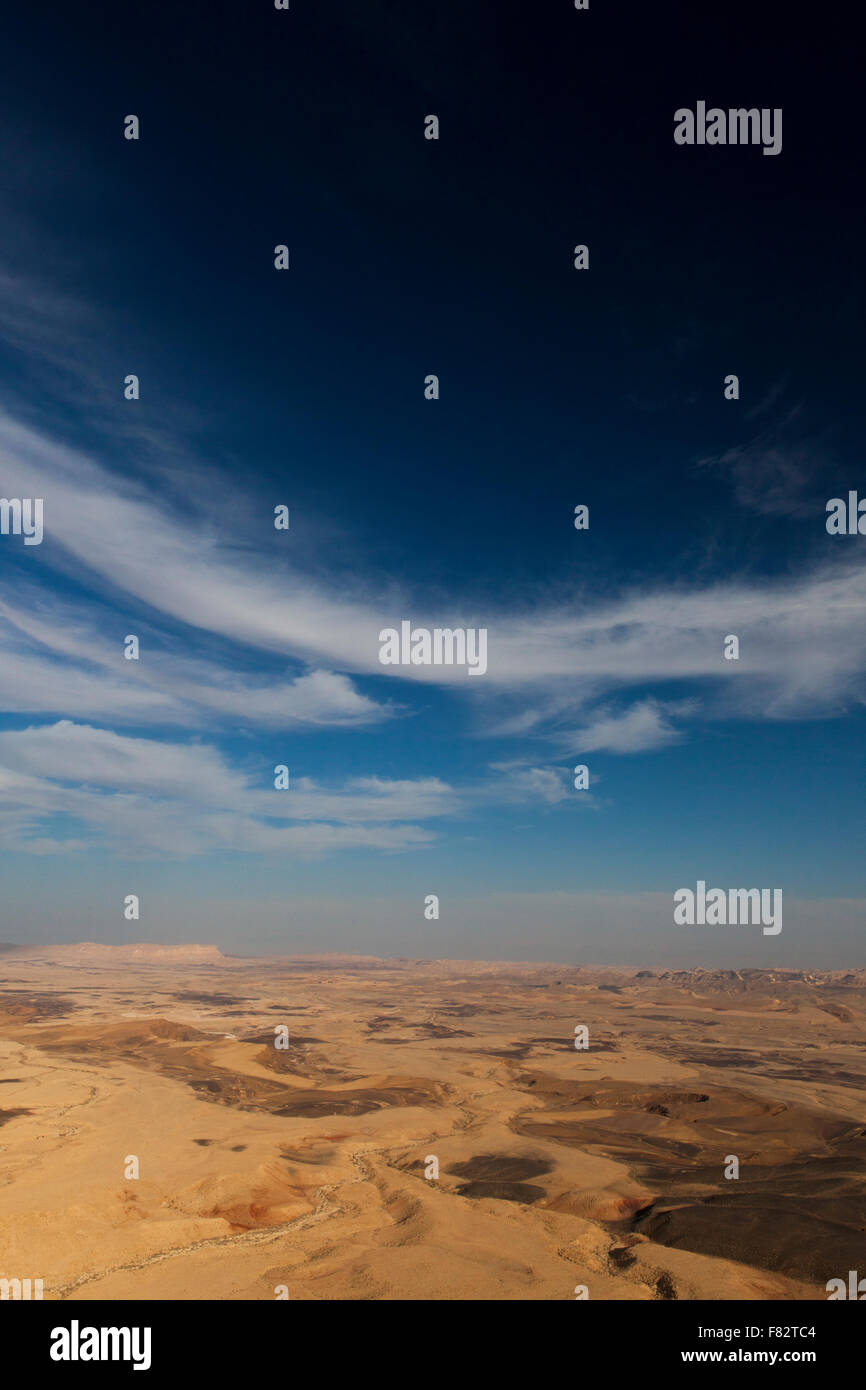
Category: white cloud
[53,660]
[643,727]
[145,795]
[148,795]
[779,472]
[803,640]
[562,673]
[519,782]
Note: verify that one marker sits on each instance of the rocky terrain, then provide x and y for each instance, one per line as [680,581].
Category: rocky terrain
[430,1131]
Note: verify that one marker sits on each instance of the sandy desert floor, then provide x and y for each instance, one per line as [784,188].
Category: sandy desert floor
[306,1169]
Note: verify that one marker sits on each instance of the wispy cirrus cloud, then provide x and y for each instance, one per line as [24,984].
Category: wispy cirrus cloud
[784,471]
[151,796]
[643,727]
[145,796]
[58,659]
[239,634]
[801,639]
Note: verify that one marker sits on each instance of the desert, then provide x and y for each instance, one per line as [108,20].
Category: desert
[431,1131]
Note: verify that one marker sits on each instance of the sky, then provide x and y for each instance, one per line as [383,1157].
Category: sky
[304,388]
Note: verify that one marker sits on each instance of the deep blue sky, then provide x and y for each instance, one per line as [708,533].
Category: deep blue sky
[558,387]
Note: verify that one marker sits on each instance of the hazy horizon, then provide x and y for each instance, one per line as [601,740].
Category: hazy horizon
[495,928]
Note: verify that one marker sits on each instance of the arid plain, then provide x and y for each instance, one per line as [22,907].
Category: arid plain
[305,1170]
